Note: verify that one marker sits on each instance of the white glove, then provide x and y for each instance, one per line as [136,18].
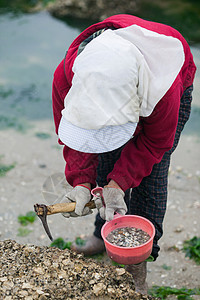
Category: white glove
[114,202]
[81,195]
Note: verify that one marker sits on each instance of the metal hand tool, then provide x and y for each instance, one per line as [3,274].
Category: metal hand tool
[43,210]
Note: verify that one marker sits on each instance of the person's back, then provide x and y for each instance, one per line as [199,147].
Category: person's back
[119,106]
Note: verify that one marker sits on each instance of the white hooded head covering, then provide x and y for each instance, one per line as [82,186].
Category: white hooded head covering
[117,78]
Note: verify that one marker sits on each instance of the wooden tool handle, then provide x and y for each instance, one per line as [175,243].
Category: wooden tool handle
[63,207]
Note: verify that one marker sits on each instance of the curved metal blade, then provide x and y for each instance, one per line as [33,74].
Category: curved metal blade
[43,218]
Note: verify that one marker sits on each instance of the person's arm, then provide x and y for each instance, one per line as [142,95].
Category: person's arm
[146,149]
[80,167]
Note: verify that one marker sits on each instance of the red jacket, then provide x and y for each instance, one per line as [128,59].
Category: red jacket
[154,134]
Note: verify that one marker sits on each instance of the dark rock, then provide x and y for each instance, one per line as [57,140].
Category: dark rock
[96,10]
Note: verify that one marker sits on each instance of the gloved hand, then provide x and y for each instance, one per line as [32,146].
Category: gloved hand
[81,195]
[114,202]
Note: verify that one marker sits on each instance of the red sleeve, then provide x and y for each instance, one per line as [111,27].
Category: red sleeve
[148,147]
[58,106]
[80,167]
[60,88]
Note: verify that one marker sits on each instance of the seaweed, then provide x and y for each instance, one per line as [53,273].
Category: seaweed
[42,135]
[28,218]
[23,231]
[192,249]
[61,244]
[182,294]
[5,168]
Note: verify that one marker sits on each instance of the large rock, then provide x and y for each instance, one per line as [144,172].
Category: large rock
[91,9]
[32,272]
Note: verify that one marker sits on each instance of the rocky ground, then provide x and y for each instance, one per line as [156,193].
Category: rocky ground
[31,272]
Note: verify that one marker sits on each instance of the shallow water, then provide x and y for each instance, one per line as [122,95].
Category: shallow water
[31,47]
[192,127]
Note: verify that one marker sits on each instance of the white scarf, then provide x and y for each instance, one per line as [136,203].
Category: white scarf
[121,75]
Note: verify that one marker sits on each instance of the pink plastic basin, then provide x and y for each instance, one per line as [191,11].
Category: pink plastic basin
[128,255]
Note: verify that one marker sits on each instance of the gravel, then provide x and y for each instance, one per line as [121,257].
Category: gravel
[33,272]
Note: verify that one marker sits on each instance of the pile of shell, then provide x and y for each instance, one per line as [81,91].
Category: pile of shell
[32,272]
[128,237]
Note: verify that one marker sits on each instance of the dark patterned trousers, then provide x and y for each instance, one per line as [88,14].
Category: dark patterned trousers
[149,199]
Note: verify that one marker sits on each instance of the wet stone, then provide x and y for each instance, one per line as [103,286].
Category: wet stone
[128,237]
